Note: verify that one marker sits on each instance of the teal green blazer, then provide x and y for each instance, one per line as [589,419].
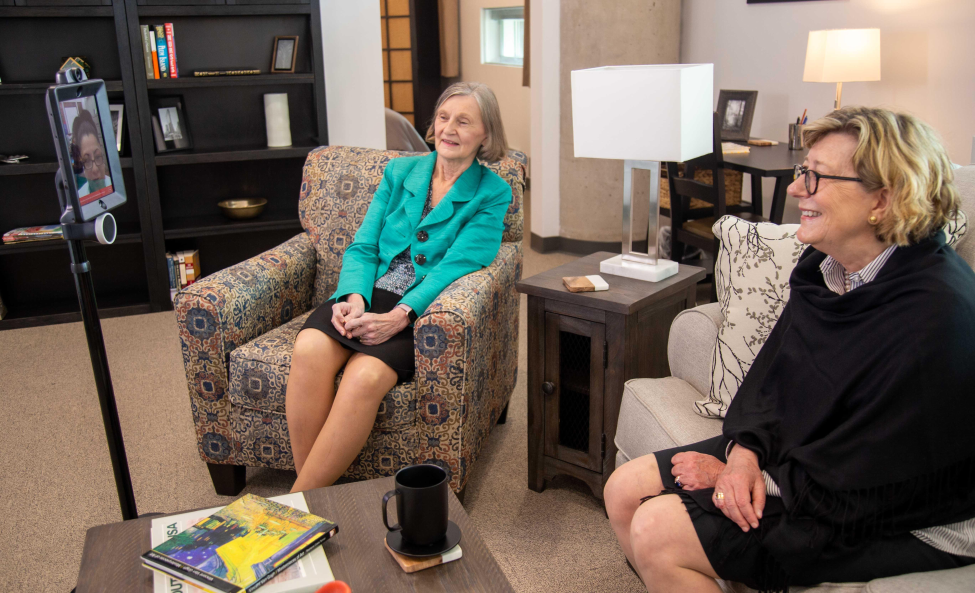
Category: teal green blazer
[463,232]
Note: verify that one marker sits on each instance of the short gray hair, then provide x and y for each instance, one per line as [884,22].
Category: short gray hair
[497,144]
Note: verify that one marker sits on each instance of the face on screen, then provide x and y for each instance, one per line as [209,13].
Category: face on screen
[88,156]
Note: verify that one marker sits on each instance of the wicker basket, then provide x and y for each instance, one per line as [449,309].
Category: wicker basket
[733,181]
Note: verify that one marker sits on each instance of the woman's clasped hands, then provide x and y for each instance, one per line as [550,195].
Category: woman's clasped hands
[739,489]
[351,321]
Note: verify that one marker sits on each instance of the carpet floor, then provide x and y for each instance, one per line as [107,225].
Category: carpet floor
[57,478]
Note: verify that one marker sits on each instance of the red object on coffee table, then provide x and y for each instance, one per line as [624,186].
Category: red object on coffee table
[335,587]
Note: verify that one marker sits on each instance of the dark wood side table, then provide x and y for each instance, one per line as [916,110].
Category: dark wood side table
[110,561]
[582,347]
[768,161]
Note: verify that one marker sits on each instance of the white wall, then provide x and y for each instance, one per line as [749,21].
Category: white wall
[927,66]
[545,116]
[505,81]
[352,52]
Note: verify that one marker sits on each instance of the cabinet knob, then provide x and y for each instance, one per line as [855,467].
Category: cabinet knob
[548,387]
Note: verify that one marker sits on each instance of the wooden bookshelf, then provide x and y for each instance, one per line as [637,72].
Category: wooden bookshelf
[172,197]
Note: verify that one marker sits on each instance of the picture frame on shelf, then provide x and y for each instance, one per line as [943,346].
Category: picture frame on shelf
[170,127]
[285,54]
[118,123]
[736,109]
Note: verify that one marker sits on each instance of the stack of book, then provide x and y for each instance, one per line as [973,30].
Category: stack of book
[33,233]
[159,51]
[249,543]
[184,269]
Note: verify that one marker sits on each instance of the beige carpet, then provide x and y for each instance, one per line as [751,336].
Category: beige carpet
[57,479]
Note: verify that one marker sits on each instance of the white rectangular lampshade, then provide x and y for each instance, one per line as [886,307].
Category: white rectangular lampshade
[843,55]
[646,113]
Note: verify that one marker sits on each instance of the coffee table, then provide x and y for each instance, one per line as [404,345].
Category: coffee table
[110,561]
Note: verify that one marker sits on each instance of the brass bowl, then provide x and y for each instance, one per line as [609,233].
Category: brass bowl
[243,208]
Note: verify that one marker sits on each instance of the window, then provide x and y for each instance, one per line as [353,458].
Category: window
[503,36]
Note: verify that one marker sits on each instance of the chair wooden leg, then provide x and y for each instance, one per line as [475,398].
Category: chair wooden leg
[504,414]
[460,495]
[228,480]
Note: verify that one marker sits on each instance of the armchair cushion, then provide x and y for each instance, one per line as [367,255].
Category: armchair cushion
[751,275]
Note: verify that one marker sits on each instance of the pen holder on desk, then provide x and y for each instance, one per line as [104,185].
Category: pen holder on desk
[795,136]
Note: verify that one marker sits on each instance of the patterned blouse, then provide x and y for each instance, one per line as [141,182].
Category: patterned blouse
[401,273]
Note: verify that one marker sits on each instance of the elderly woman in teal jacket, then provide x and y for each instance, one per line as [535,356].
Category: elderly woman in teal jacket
[433,219]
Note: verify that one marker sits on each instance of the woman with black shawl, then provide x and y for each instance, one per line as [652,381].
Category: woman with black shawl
[848,453]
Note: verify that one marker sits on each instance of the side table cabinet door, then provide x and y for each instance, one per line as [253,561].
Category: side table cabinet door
[575,366]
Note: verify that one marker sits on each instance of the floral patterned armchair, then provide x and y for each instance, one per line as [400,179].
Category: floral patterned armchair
[237,328]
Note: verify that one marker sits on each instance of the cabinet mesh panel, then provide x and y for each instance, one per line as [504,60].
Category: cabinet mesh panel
[574,355]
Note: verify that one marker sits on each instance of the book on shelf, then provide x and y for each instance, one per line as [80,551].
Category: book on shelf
[33,233]
[245,72]
[147,52]
[304,576]
[184,268]
[153,46]
[240,547]
[161,51]
[171,50]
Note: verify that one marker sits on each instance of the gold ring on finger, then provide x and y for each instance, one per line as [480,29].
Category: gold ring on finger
[719,496]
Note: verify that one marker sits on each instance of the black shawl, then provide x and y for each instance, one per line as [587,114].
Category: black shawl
[860,405]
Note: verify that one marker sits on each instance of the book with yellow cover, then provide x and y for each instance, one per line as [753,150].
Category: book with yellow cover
[241,546]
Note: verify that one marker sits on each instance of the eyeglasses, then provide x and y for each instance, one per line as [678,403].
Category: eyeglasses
[97,161]
[812,178]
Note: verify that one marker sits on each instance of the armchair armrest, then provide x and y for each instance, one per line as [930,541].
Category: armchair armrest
[689,349]
[225,310]
[467,363]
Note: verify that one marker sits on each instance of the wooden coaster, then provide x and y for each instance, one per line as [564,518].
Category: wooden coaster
[415,564]
[584,283]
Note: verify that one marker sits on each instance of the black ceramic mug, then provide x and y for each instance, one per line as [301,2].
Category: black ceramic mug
[421,504]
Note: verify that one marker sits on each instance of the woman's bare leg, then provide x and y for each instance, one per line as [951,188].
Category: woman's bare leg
[668,553]
[316,361]
[364,384]
[630,482]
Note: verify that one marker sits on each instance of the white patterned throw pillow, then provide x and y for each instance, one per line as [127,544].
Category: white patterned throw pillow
[751,278]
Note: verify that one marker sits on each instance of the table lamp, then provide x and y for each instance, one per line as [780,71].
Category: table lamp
[842,55]
[642,115]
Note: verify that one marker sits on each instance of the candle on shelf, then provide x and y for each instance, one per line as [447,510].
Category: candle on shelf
[278,120]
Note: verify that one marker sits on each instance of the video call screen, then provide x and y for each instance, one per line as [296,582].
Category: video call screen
[89,160]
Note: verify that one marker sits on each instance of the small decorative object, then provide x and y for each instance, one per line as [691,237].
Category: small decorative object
[12,159]
[278,120]
[592,283]
[242,208]
[117,111]
[736,109]
[842,55]
[283,58]
[76,62]
[169,125]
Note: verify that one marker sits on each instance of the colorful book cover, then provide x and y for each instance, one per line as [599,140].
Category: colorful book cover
[171,51]
[161,51]
[241,546]
[155,58]
[305,576]
[33,233]
[147,51]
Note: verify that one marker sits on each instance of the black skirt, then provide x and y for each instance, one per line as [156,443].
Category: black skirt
[739,556]
[397,352]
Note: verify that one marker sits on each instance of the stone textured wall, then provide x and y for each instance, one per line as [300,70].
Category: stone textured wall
[621,32]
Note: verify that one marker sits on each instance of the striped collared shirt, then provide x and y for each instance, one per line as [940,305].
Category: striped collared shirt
[839,281]
[955,538]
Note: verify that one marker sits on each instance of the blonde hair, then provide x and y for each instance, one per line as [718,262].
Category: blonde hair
[497,143]
[903,154]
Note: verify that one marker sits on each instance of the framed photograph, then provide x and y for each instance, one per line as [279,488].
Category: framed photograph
[285,52]
[117,111]
[169,125]
[736,109]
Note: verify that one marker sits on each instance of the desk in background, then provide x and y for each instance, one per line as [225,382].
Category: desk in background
[768,161]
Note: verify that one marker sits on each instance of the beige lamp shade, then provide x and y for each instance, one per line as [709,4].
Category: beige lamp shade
[648,113]
[843,55]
